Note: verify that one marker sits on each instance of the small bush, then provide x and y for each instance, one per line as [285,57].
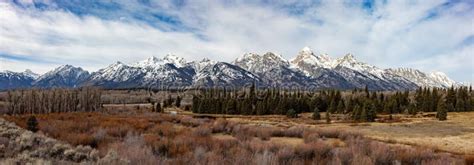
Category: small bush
[32,124]
[291,113]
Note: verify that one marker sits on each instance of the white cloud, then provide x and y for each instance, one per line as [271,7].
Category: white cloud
[395,34]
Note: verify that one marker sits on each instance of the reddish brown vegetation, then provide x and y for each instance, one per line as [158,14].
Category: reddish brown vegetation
[150,138]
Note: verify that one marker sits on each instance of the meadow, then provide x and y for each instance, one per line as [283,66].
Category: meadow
[181,137]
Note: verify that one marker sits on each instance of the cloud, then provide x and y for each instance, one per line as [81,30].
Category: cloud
[387,34]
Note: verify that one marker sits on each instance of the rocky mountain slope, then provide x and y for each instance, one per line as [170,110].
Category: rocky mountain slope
[15,80]
[63,76]
[307,69]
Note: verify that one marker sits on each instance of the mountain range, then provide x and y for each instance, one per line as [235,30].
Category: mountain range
[307,69]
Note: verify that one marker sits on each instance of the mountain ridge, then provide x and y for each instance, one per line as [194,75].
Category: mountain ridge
[269,69]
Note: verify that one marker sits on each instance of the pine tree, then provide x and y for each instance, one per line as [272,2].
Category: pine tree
[460,105]
[356,113]
[371,113]
[291,113]
[340,106]
[333,106]
[363,115]
[316,114]
[328,117]
[32,124]
[442,112]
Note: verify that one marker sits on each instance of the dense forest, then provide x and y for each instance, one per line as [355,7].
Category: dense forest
[361,105]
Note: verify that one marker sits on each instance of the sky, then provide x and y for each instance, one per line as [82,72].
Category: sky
[429,35]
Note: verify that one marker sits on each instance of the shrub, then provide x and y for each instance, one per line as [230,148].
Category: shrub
[291,113]
[316,115]
[32,124]
[202,131]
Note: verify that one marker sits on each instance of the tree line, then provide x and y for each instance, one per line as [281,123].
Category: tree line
[38,101]
[360,105]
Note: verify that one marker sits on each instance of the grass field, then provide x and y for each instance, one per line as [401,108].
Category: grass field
[168,138]
[454,135]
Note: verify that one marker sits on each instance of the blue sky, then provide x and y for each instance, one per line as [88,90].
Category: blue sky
[434,35]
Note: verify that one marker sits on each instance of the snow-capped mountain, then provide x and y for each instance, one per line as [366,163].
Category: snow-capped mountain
[224,74]
[63,76]
[199,65]
[31,74]
[307,69]
[435,79]
[359,74]
[273,69]
[117,75]
[307,61]
[154,62]
[14,80]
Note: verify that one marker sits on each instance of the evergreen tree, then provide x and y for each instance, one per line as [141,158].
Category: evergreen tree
[412,109]
[356,113]
[333,106]
[340,106]
[366,90]
[316,114]
[291,113]
[32,124]
[372,113]
[328,117]
[442,112]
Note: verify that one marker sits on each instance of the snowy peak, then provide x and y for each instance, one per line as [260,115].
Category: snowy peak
[14,80]
[31,74]
[269,69]
[260,64]
[270,57]
[116,72]
[224,74]
[306,50]
[154,62]
[199,65]
[173,59]
[435,79]
[306,57]
[149,62]
[65,71]
[62,76]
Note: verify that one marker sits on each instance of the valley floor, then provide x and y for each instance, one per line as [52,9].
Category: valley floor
[137,135]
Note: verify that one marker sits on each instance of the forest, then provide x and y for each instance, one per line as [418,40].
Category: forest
[361,105]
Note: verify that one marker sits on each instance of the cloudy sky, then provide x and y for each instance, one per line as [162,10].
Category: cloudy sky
[430,35]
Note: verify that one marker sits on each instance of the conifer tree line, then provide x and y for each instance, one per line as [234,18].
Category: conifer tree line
[361,105]
[37,101]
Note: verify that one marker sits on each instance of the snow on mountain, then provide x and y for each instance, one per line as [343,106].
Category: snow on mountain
[436,79]
[272,68]
[224,74]
[154,62]
[31,74]
[117,75]
[13,80]
[173,59]
[306,70]
[168,75]
[308,63]
[260,64]
[62,76]
[199,65]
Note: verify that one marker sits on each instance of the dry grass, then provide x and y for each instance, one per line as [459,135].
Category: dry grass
[151,138]
[454,135]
